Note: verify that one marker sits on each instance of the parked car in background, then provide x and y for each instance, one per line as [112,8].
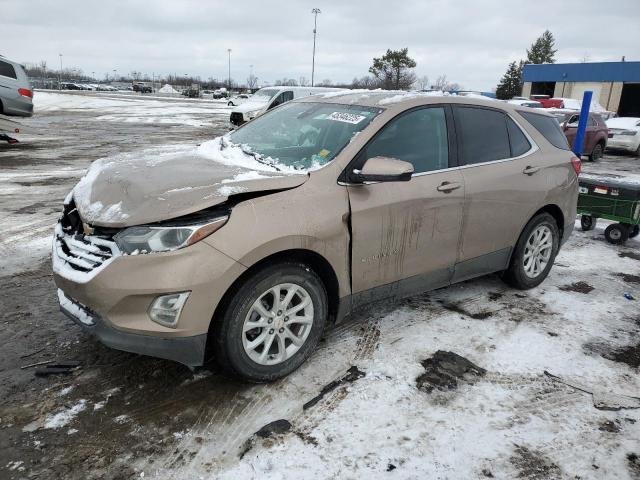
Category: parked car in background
[220,93]
[547,101]
[142,87]
[596,135]
[16,92]
[624,134]
[525,103]
[329,203]
[238,99]
[270,97]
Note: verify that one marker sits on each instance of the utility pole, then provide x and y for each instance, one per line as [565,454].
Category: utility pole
[60,74]
[315,12]
[229,50]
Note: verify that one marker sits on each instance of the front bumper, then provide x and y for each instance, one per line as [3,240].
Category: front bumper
[189,351]
[118,293]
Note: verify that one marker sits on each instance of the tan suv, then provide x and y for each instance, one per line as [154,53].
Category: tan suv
[246,248]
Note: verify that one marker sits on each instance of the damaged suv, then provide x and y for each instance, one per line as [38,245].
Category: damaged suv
[247,247]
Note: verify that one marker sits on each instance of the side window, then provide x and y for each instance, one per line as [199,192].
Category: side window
[573,121]
[418,137]
[286,96]
[278,101]
[518,141]
[591,122]
[548,128]
[7,70]
[482,135]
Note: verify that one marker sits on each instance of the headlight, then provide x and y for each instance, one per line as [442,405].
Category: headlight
[147,238]
[628,132]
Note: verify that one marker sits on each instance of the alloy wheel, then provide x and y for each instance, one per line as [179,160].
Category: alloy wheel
[277,324]
[538,249]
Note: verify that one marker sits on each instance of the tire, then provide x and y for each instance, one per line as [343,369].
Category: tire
[616,233]
[521,273]
[587,222]
[230,104]
[597,152]
[232,343]
[634,231]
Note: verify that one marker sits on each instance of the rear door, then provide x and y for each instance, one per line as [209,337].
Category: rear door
[405,234]
[8,81]
[504,180]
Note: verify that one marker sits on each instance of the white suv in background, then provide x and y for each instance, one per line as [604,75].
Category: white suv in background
[624,134]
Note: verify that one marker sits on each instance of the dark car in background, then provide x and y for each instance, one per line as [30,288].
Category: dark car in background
[595,140]
[16,93]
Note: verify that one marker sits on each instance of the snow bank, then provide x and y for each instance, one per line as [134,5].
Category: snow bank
[64,417]
[167,89]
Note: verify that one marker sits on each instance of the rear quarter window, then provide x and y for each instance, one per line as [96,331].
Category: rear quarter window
[548,127]
[7,70]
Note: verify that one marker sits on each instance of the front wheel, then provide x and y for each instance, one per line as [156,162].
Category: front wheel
[616,233]
[587,222]
[272,324]
[634,231]
[230,104]
[534,253]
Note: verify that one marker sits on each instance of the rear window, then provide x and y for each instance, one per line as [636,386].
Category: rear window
[482,135]
[7,70]
[548,128]
[519,143]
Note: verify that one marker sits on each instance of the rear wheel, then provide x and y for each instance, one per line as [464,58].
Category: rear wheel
[587,222]
[534,253]
[616,233]
[272,324]
[597,152]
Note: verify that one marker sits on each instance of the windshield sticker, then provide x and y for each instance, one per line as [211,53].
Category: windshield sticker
[346,117]
[324,152]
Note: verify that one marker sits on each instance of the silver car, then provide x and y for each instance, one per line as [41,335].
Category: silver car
[16,93]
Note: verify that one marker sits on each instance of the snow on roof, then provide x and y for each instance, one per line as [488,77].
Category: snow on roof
[624,122]
[573,104]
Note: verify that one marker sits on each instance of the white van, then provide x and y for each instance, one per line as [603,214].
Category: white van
[269,97]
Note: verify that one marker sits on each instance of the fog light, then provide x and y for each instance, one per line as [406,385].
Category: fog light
[166,309]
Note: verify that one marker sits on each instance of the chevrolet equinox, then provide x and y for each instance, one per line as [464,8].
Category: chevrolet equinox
[246,247]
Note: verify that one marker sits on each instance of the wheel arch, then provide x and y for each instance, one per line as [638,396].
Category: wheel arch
[552,209]
[313,260]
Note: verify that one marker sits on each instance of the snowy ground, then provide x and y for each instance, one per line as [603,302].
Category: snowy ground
[356,409]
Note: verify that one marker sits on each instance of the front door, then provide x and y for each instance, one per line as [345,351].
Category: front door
[405,234]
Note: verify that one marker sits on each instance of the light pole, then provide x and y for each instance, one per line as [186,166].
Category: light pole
[60,74]
[315,12]
[229,50]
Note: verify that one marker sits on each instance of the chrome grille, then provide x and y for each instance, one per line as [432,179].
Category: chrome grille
[80,251]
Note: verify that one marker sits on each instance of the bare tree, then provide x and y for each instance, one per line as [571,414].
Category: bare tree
[252,81]
[303,82]
[443,84]
[422,83]
[326,83]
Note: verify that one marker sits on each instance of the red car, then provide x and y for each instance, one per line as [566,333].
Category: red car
[596,135]
[548,102]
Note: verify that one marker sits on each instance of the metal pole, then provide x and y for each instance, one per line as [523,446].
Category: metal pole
[582,123]
[60,74]
[315,12]
[229,50]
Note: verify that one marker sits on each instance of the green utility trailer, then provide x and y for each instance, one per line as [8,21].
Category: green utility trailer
[613,198]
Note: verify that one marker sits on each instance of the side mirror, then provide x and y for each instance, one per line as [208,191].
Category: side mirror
[565,126]
[383,169]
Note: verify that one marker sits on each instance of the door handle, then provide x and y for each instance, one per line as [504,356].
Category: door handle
[447,187]
[529,170]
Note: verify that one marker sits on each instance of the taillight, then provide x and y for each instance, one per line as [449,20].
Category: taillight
[577,164]
[25,92]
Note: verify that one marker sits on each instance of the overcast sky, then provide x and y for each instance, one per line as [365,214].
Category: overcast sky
[471,41]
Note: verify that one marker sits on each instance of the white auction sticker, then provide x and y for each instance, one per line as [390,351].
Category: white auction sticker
[346,117]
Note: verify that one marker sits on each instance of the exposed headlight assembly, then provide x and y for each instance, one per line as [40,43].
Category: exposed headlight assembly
[159,238]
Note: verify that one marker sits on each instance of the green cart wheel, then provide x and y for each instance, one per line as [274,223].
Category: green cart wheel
[634,230]
[587,222]
[616,233]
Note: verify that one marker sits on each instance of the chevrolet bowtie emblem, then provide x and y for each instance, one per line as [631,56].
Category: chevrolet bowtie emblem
[87,229]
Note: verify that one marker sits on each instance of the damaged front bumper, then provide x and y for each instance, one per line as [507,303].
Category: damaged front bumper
[189,351]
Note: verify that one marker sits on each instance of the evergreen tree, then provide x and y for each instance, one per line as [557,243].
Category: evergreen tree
[542,50]
[511,82]
[394,69]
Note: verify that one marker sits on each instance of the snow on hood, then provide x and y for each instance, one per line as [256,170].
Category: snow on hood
[257,102]
[148,187]
[631,123]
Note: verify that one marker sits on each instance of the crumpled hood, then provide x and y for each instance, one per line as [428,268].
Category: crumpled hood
[134,190]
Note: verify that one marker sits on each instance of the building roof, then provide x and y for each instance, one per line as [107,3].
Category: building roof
[582,72]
